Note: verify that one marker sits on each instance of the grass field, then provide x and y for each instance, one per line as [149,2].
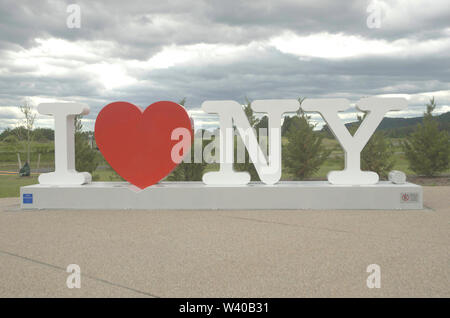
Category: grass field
[10,184]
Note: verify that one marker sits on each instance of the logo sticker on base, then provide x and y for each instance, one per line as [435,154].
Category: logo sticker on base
[409,197]
[28,198]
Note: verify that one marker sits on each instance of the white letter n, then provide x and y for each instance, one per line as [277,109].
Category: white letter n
[230,112]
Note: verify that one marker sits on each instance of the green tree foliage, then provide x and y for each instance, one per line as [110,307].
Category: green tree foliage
[28,124]
[428,149]
[287,122]
[247,165]
[44,134]
[11,139]
[39,134]
[85,156]
[304,153]
[249,113]
[262,123]
[6,133]
[378,153]
[188,171]
[12,144]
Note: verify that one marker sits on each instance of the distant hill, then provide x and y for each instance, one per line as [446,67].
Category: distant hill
[401,127]
[389,123]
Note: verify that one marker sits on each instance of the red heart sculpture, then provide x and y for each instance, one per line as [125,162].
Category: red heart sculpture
[138,144]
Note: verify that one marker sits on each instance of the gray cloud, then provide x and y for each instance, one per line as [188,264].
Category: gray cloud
[122,32]
[141,28]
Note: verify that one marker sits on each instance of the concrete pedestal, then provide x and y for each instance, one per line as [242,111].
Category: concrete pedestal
[316,195]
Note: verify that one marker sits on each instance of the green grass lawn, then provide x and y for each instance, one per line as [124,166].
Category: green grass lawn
[106,175]
[10,185]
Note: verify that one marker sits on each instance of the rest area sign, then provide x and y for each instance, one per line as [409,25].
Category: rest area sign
[144,145]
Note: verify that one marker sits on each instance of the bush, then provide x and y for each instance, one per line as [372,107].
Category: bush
[189,171]
[304,153]
[378,154]
[85,156]
[428,149]
[247,165]
[11,139]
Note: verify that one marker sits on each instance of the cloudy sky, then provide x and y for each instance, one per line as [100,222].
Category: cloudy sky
[145,51]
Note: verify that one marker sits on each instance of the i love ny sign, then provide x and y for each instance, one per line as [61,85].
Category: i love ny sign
[145,145]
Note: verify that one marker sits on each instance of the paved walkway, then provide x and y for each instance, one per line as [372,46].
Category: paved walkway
[226,253]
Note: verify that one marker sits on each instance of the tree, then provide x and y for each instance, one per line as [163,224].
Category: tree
[19,132]
[263,123]
[428,149]
[5,133]
[43,134]
[287,122]
[378,153]
[249,113]
[188,171]
[85,156]
[28,123]
[12,145]
[11,139]
[247,165]
[304,153]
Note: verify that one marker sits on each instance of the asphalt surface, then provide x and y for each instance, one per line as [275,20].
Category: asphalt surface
[226,253]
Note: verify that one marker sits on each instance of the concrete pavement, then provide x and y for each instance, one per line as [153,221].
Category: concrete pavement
[226,253]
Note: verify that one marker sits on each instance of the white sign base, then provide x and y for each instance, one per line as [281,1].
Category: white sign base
[292,195]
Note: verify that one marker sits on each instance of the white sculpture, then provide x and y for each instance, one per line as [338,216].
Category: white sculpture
[232,115]
[65,173]
[269,171]
[353,145]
